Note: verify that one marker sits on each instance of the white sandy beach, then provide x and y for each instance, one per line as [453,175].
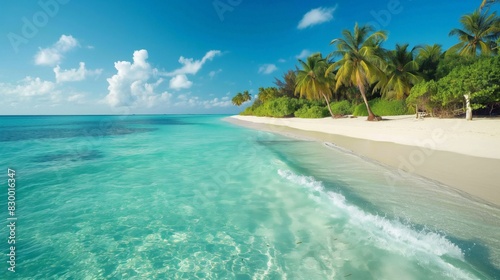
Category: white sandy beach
[462,154]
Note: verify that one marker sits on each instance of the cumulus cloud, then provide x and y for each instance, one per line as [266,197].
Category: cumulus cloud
[53,55]
[73,74]
[189,67]
[28,87]
[316,16]
[180,82]
[303,54]
[267,69]
[135,83]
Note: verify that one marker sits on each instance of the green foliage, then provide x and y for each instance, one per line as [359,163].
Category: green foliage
[278,108]
[237,99]
[383,107]
[267,94]
[286,87]
[342,108]
[363,67]
[360,59]
[428,58]
[312,112]
[450,62]
[478,34]
[446,97]
[421,95]
[481,80]
[282,107]
[313,81]
[402,72]
[241,98]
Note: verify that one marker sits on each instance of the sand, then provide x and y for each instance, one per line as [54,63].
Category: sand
[464,155]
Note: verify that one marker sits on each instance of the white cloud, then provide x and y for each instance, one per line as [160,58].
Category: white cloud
[180,82]
[281,60]
[28,87]
[189,67]
[54,54]
[73,75]
[303,54]
[135,83]
[185,100]
[217,102]
[267,69]
[316,16]
[212,74]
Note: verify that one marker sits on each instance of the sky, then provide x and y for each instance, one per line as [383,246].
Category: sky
[182,56]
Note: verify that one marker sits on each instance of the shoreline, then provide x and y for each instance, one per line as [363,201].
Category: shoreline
[433,148]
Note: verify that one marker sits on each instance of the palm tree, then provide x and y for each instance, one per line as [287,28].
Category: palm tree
[428,59]
[360,61]
[238,99]
[480,30]
[241,98]
[313,81]
[402,72]
[246,96]
[268,93]
[487,3]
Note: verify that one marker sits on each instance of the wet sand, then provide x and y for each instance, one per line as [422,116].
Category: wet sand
[472,171]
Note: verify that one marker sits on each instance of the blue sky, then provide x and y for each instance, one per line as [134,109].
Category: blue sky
[172,56]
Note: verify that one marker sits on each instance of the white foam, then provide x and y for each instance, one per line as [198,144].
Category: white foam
[389,235]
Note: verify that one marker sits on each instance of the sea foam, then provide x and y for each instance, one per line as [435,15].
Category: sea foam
[425,246]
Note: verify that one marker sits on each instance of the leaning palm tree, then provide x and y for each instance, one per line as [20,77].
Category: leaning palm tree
[246,96]
[312,80]
[238,99]
[402,72]
[360,61]
[480,30]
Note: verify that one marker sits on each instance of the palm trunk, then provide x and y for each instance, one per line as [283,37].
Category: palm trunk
[371,115]
[328,105]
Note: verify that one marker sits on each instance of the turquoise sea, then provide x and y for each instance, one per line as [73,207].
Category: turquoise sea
[195,197]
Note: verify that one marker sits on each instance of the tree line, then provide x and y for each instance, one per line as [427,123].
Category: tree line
[360,72]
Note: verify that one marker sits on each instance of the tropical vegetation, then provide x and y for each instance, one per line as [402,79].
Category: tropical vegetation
[362,78]
[313,80]
[241,98]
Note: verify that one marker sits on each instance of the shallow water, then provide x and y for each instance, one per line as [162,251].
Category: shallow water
[186,197]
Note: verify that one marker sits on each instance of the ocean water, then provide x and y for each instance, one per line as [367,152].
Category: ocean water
[195,197]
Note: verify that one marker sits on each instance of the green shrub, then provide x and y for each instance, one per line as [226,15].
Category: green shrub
[281,107]
[341,108]
[360,109]
[312,112]
[383,107]
[247,112]
[250,111]
[310,103]
[278,108]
